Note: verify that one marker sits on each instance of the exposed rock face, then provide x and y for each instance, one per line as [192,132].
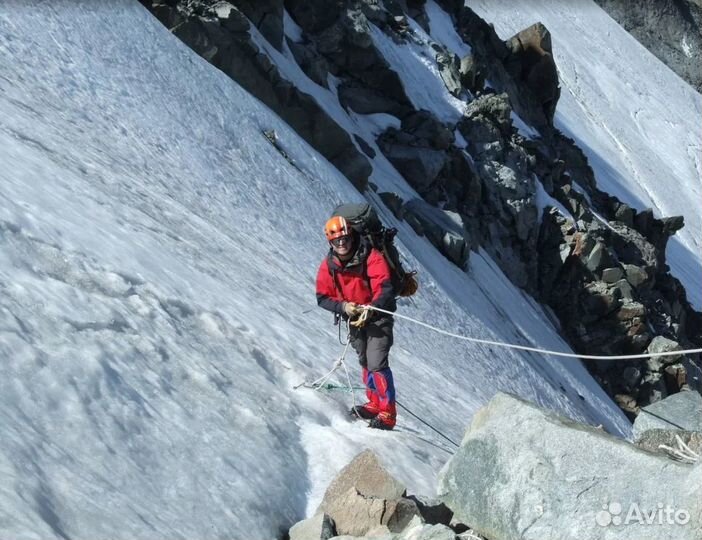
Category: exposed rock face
[602,269]
[503,166]
[522,472]
[670,29]
[523,66]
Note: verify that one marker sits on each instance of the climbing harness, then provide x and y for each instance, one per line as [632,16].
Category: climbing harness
[534,349]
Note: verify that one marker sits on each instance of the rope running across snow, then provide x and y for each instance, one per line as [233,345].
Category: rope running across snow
[535,349]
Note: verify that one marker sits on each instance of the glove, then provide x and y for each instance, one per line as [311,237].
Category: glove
[351,309]
[363,313]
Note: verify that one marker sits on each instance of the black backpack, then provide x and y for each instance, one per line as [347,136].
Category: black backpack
[365,221]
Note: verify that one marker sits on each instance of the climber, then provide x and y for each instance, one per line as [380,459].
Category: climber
[354,274]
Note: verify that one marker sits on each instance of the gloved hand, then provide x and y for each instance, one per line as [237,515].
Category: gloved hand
[351,309]
[363,314]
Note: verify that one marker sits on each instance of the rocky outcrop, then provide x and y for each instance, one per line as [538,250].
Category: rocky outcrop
[522,472]
[602,269]
[522,66]
[670,29]
[365,501]
[508,214]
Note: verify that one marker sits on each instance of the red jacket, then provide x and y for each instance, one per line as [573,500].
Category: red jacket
[364,279]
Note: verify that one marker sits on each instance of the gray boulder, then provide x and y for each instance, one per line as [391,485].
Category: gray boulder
[367,476]
[660,344]
[681,411]
[364,496]
[319,527]
[523,472]
[356,514]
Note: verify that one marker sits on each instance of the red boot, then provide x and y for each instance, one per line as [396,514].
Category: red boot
[385,419]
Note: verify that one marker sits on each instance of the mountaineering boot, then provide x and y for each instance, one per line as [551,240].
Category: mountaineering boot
[383,420]
[366,411]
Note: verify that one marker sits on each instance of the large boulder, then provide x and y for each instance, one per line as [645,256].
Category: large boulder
[365,496]
[681,411]
[531,63]
[366,475]
[318,527]
[526,473]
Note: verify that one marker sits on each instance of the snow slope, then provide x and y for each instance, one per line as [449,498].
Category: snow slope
[637,121]
[157,264]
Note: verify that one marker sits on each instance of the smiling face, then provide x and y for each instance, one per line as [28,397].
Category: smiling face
[342,246]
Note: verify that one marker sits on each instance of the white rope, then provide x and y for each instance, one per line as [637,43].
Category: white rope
[683,452]
[534,349]
[321,381]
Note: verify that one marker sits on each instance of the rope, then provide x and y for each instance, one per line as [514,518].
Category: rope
[664,419]
[427,424]
[534,349]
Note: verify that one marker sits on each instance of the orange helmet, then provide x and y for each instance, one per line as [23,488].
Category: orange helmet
[336,227]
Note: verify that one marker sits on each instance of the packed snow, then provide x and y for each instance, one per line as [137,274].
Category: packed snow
[635,119]
[157,269]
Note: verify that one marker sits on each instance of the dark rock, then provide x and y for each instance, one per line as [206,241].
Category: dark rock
[612,275]
[367,149]
[635,275]
[394,202]
[267,16]
[450,71]
[427,130]
[625,214]
[311,62]
[433,511]
[354,96]
[531,63]
[631,378]
[314,15]
[472,76]
[419,166]
[632,247]
[444,229]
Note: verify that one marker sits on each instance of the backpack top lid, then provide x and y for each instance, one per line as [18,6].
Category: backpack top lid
[361,216]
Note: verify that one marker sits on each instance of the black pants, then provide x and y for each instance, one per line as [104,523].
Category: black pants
[372,343]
